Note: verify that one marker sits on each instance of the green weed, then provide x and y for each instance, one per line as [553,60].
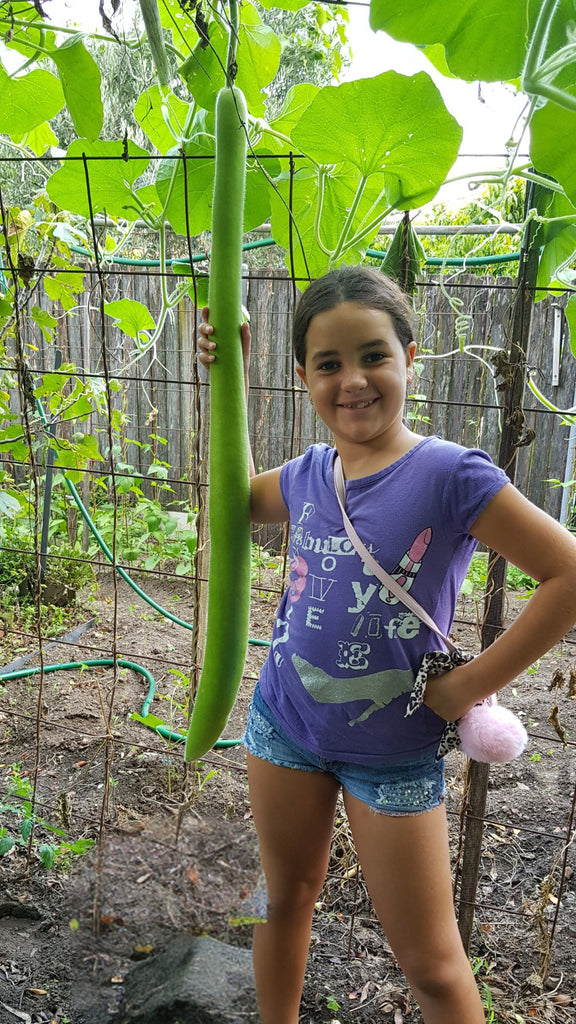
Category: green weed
[18,809]
[263,560]
[481,965]
[476,578]
[144,532]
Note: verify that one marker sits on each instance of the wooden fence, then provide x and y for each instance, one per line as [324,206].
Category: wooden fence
[463,321]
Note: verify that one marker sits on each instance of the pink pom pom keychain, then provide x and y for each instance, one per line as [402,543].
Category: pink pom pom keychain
[488,732]
[491,733]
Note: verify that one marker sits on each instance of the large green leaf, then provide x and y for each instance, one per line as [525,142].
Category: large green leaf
[258,60]
[391,124]
[81,81]
[161,116]
[110,178]
[131,316]
[28,101]
[297,100]
[552,135]
[374,143]
[483,40]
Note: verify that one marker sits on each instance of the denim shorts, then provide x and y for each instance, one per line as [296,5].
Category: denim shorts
[401,789]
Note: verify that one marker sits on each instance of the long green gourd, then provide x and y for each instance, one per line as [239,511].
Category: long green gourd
[153,26]
[229,492]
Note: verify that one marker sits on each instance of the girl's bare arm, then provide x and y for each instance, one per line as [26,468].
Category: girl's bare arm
[533,541]
[266,501]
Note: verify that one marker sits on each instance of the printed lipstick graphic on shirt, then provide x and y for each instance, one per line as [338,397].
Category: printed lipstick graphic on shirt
[367,626]
[407,569]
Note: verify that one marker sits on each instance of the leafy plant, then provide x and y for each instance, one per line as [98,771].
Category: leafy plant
[19,806]
[332,1004]
[264,561]
[476,577]
[66,564]
[144,531]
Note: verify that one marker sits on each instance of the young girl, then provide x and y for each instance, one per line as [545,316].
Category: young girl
[329,711]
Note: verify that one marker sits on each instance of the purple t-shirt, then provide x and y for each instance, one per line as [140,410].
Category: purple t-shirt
[345,651]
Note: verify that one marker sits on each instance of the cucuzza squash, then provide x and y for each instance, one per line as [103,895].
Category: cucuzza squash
[228,475]
[153,26]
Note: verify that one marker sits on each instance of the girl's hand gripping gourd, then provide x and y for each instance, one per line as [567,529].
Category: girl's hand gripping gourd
[207,354]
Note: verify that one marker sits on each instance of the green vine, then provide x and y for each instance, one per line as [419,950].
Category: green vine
[539,73]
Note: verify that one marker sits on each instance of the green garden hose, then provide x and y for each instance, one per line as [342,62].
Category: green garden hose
[165,733]
[175,263]
[378,254]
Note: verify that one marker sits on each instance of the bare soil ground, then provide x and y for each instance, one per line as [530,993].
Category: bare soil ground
[176,852]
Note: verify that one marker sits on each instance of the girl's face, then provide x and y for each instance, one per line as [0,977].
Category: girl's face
[356,373]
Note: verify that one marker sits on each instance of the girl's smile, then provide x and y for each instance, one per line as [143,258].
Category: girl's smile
[358,405]
[356,373]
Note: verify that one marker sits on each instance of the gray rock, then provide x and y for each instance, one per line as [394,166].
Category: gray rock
[193,981]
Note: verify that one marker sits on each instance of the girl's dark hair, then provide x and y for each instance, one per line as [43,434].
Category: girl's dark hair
[365,286]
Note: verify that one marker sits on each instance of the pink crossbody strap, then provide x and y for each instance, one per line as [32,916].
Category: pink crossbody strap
[375,566]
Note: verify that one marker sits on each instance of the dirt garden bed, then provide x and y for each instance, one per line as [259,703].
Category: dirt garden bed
[176,851]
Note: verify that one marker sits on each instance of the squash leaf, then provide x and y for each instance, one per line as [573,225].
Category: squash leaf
[81,82]
[28,101]
[110,178]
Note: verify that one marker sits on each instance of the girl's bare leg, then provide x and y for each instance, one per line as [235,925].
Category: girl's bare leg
[294,817]
[406,864]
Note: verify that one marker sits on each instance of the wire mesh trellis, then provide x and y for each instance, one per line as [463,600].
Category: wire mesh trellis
[164,402]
